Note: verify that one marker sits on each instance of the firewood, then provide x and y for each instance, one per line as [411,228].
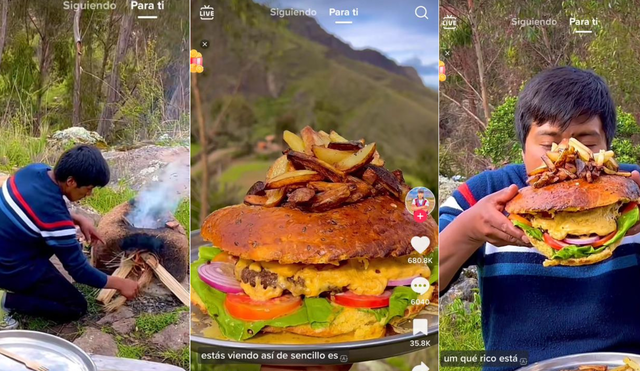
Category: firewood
[167,279]
[105,295]
[143,281]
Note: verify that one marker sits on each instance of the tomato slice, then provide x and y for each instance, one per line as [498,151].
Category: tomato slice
[225,258]
[604,239]
[628,207]
[349,299]
[241,306]
[555,244]
[520,219]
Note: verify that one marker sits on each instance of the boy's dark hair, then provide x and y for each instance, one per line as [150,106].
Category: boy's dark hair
[85,164]
[559,95]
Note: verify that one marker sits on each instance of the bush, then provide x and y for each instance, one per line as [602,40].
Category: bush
[500,143]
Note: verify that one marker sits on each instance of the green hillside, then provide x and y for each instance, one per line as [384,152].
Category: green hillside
[288,82]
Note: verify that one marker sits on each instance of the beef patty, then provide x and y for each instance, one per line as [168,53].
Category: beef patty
[267,279]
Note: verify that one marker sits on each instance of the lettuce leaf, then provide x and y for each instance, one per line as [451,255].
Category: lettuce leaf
[237,329]
[530,231]
[433,266]
[574,252]
[398,302]
[625,222]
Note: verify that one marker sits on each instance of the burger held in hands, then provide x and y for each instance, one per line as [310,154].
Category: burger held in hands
[578,207]
[321,248]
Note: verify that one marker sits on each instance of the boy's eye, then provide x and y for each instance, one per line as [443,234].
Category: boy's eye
[548,146]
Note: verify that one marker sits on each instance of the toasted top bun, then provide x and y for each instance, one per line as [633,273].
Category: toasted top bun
[574,195]
[374,228]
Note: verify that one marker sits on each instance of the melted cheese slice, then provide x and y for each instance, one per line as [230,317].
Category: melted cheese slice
[601,221]
[362,276]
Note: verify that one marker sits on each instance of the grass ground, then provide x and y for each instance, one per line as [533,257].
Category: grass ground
[461,329]
[18,150]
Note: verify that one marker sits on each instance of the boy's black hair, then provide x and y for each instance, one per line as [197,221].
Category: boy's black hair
[559,95]
[420,190]
[85,164]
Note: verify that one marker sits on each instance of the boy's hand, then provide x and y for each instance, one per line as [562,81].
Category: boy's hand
[87,228]
[129,289]
[635,176]
[489,224]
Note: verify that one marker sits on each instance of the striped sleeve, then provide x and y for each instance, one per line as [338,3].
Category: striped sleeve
[54,225]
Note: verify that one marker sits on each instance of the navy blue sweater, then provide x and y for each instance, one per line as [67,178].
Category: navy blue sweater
[550,311]
[35,224]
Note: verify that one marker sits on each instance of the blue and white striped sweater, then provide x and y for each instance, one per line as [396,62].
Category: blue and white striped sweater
[550,311]
[35,224]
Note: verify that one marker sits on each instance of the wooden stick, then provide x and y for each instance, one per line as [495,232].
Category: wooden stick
[143,281]
[167,279]
[122,271]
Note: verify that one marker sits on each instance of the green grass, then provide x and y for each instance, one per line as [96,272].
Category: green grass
[131,351]
[182,215]
[179,358]
[243,169]
[461,329]
[195,149]
[90,294]
[150,324]
[17,149]
[104,199]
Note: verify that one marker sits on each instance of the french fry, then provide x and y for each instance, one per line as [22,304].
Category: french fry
[326,186]
[256,189]
[377,160]
[388,180]
[369,176]
[538,170]
[326,139]
[631,363]
[255,200]
[279,167]
[301,196]
[554,147]
[357,160]
[553,156]
[310,138]
[330,199]
[293,177]
[331,156]
[336,138]
[275,197]
[352,146]
[293,140]
[361,191]
[315,164]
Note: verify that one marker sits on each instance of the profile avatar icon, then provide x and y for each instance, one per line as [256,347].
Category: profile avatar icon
[420,199]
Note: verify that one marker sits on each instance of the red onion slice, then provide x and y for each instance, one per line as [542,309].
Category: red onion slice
[401,282]
[219,275]
[581,241]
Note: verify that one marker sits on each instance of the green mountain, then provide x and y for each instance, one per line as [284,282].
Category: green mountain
[268,75]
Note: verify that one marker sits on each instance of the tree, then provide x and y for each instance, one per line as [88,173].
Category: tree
[3,27]
[77,81]
[104,127]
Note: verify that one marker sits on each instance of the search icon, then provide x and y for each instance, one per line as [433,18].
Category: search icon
[421,12]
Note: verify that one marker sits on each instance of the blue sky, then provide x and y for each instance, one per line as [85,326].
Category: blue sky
[389,26]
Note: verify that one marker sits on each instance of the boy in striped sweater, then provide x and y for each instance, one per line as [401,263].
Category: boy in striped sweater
[36,224]
[547,311]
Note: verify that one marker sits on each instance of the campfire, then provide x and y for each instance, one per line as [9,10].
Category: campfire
[140,241]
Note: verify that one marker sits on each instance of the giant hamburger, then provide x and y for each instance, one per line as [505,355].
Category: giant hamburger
[578,207]
[322,248]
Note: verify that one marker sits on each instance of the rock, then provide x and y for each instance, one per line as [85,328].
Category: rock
[78,135]
[174,337]
[84,210]
[94,341]
[158,290]
[464,287]
[3,177]
[124,326]
[445,188]
[119,315]
[140,166]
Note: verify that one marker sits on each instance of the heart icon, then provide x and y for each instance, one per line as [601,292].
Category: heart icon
[420,243]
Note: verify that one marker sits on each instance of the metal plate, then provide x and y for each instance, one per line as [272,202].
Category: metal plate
[358,351]
[52,352]
[572,362]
